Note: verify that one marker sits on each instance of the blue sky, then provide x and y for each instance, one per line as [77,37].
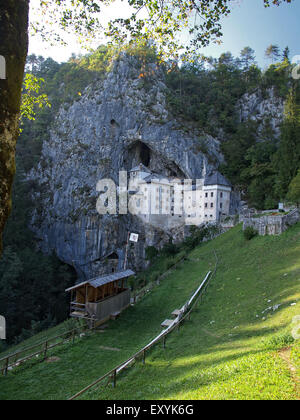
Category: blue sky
[249,24]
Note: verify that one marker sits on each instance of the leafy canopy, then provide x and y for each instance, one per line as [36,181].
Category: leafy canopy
[159,21]
[31,98]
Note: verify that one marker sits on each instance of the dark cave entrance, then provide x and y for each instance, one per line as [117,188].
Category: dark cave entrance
[140,152]
[145,154]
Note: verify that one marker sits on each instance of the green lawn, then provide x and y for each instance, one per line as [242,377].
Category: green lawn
[229,349]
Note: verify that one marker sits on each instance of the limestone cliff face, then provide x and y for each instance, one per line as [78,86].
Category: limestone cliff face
[115,125]
[268,108]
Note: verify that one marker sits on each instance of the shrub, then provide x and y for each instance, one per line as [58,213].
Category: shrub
[279,341]
[151,253]
[170,249]
[250,233]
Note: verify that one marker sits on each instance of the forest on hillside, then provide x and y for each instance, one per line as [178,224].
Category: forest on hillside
[203,95]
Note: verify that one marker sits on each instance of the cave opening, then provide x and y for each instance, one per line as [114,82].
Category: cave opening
[145,154]
[140,152]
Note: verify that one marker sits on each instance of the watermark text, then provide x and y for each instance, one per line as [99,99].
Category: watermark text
[2,67]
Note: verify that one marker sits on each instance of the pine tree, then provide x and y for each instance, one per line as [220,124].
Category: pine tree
[247,58]
[272,53]
[286,54]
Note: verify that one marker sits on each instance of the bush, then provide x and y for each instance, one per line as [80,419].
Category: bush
[170,249]
[151,253]
[250,233]
[279,341]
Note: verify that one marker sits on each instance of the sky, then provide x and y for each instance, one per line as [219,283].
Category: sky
[249,24]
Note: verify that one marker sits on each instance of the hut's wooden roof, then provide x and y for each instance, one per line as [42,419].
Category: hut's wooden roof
[101,281]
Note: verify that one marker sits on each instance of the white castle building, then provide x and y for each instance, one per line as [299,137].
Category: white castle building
[171,202]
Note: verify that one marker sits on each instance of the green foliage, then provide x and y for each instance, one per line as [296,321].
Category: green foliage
[272,52]
[294,190]
[32,290]
[278,341]
[31,100]
[250,233]
[288,156]
[159,22]
[170,249]
[151,253]
[199,234]
[207,97]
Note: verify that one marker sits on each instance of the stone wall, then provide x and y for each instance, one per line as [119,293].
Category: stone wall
[272,225]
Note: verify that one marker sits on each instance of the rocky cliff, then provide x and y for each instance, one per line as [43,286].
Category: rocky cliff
[115,125]
[262,108]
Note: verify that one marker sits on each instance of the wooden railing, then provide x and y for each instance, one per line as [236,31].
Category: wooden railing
[20,356]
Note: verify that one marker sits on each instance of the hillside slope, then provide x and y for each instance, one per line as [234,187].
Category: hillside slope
[229,349]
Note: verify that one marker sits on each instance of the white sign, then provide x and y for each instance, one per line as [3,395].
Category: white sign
[280,206]
[2,67]
[134,237]
[2,328]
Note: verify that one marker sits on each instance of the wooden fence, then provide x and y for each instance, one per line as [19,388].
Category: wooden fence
[15,359]
[185,313]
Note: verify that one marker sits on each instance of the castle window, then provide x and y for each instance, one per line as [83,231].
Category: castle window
[221,195]
[212,205]
[212,194]
[206,205]
[206,195]
[221,205]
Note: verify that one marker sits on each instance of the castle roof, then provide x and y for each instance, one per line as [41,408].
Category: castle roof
[215,178]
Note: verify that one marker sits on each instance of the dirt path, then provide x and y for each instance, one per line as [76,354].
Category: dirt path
[285,355]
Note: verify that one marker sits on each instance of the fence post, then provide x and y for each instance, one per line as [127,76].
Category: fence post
[164,342]
[114,382]
[144,357]
[45,350]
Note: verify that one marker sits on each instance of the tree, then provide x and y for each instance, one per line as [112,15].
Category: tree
[288,157]
[247,58]
[163,23]
[272,52]
[13,47]
[286,54]
[294,190]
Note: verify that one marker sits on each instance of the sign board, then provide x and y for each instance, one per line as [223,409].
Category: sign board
[280,206]
[134,237]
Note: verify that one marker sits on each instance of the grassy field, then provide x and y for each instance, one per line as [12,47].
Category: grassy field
[231,348]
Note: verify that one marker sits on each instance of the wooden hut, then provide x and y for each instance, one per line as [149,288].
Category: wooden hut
[101,298]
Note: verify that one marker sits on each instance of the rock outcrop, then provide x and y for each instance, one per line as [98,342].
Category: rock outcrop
[115,125]
[265,109]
